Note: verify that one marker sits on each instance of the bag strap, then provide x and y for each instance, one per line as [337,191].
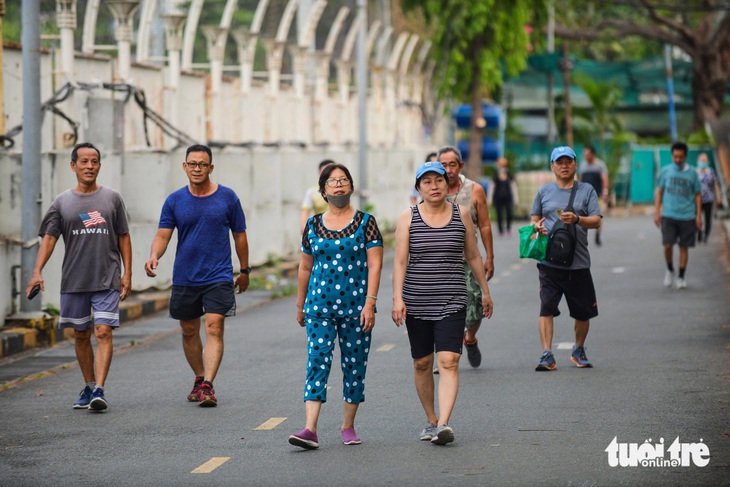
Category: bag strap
[572,197]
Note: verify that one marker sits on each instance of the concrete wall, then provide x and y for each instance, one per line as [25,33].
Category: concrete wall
[272,145]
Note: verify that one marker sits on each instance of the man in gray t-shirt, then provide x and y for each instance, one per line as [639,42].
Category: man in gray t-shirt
[594,172]
[575,281]
[93,222]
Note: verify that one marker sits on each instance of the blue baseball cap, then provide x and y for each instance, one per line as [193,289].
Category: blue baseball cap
[559,152]
[431,166]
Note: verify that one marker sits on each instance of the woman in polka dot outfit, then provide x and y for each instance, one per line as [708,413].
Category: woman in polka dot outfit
[339,277]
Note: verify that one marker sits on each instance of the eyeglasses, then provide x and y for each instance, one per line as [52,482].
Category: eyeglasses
[195,165]
[338,182]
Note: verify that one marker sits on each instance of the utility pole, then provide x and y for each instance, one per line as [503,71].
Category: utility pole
[362,88]
[31,200]
[550,97]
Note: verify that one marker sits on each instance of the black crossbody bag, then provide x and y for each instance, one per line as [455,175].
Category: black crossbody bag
[563,238]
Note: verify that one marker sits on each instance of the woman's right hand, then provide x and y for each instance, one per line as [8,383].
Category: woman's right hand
[399,312]
[300,316]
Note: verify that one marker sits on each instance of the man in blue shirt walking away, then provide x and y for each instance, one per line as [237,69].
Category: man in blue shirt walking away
[677,205]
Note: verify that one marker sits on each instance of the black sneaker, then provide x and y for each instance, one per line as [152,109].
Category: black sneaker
[473,353]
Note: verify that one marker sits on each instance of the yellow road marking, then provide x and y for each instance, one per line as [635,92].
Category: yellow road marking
[270,424]
[211,465]
[385,348]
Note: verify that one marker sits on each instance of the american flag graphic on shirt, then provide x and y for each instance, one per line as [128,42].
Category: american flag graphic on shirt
[92,218]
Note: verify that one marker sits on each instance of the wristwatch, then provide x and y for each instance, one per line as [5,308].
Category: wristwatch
[245,270]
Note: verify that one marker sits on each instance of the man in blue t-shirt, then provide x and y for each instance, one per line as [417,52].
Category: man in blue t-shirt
[677,205]
[204,213]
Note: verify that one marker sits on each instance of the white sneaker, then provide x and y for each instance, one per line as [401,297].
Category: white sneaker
[668,278]
[681,283]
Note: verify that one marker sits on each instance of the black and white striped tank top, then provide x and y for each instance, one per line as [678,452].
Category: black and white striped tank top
[435,286]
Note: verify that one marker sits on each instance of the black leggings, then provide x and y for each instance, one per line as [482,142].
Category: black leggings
[504,212]
[707,210]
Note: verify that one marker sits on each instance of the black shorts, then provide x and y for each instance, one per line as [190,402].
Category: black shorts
[446,335]
[191,302]
[577,285]
[682,230]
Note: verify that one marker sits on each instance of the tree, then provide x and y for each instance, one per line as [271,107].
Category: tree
[701,29]
[474,41]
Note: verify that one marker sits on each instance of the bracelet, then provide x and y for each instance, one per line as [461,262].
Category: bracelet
[577,221]
[371,296]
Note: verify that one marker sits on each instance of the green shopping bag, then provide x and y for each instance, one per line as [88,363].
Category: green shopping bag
[532,244]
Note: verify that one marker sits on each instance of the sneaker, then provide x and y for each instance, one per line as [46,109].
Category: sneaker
[444,435]
[98,402]
[349,437]
[547,362]
[305,439]
[578,357]
[681,283]
[206,396]
[428,432]
[84,399]
[193,396]
[435,370]
[473,353]
[668,278]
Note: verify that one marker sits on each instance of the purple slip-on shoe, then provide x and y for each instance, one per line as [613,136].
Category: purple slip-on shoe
[349,437]
[305,439]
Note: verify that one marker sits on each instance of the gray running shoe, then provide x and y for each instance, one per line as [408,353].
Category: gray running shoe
[444,434]
[428,432]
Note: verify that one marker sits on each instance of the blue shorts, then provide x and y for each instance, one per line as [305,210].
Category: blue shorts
[76,309]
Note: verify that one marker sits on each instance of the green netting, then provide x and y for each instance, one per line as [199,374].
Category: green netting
[639,80]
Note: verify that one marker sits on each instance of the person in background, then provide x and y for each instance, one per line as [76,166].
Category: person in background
[710,194]
[594,172]
[313,203]
[414,196]
[93,222]
[339,278]
[470,194]
[432,241]
[678,211]
[503,196]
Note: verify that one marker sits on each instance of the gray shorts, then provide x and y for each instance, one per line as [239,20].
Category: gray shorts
[77,309]
[683,231]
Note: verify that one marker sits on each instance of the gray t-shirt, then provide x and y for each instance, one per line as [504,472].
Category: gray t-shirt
[90,225]
[551,198]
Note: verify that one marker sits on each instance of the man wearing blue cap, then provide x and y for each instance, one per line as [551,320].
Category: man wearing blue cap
[573,280]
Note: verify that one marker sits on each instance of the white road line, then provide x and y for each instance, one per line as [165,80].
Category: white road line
[269,424]
[618,270]
[516,267]
[386,348]
[211,465]
[565,346]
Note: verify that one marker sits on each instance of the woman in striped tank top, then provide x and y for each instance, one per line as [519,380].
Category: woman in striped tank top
[429,292]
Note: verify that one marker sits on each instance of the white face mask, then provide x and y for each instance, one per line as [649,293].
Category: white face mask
[340,200]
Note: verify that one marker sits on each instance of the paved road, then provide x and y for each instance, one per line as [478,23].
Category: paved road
[661,371]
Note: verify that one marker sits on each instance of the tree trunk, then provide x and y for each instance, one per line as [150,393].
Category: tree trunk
[474,163]
[709,80]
